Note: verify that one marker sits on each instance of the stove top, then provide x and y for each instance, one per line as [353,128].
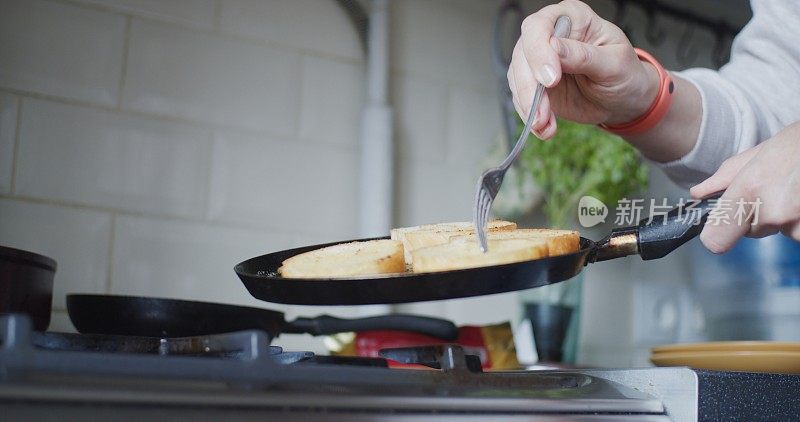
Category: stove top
[241,372]
[78,376]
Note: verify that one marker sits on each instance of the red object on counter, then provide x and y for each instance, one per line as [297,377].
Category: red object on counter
[369,343]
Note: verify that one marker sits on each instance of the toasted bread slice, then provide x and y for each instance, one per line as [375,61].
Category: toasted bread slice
[436,234]
[347,259]
[467,254]
[559,242]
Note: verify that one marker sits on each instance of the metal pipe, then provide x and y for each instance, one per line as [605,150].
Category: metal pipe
[376,182]
[376,160]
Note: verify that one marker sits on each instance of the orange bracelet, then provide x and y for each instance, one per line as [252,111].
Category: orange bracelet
[657,110]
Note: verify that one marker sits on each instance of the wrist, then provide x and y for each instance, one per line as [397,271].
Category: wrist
[642,96]
[658,107]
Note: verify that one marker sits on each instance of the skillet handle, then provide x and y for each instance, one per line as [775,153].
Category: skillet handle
[667,232]
[326,324]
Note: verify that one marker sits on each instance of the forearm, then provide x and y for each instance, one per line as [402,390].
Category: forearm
[677,133]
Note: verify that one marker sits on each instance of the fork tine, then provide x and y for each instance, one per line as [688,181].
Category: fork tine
[482,214]
[481,211]
[487,203]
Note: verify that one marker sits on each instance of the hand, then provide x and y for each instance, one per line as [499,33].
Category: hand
[592,77]
[769,172]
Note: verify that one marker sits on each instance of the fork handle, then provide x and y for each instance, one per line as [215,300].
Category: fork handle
[562,29]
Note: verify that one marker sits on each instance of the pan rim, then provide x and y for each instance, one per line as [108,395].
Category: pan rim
[587,245]
[179,302]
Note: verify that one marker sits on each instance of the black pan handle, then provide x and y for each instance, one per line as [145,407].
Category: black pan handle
[657,237]
[326,324]
[665,233]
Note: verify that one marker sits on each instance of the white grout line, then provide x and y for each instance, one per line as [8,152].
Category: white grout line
[213,30]
[124,69]
[166,217]
[197,124]
[200,124]
[15,153]
[217,24]
[210,176]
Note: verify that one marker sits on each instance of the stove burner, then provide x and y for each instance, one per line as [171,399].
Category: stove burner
[447,357]
[236,345]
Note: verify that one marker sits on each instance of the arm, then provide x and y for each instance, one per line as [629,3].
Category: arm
[714,115]
[594,76]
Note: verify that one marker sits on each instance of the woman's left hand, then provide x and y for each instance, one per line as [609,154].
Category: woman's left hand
[765,180]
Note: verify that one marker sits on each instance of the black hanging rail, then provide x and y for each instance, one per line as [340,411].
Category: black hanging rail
[686,53]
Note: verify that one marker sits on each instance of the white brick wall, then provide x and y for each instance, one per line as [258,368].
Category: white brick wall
[196,13]
[211,79]
[324,117]
[160,258]
[105,159]
[61,50]
[321,27]
[150,145]
[280,184]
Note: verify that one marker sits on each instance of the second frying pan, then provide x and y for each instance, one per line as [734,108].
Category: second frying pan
[651,239]
[156,317]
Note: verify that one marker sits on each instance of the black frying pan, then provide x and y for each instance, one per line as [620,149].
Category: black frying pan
[650,239]
[155,317]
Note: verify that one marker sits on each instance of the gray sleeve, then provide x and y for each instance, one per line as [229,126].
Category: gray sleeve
[749,99]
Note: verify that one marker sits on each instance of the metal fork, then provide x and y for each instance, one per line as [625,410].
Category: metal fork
[491,179]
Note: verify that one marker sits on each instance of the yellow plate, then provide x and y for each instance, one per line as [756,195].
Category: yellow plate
[729,346]
[779,362]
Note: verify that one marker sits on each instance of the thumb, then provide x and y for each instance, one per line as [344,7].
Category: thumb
[725,174]
[579,58]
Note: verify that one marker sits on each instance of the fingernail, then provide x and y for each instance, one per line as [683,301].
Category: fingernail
[546,75]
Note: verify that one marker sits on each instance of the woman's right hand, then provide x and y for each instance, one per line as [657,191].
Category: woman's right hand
[593,76]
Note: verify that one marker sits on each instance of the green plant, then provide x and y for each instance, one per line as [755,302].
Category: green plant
[582,160]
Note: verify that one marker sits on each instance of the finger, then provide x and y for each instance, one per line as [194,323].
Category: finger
[535,37]
[513,87]
[549,130]
[720,180]
[537,29]
[517,107]
[792,230]
[724,227]
[525,89]
[542,114]
[579,58]
[523,82]
[762,230]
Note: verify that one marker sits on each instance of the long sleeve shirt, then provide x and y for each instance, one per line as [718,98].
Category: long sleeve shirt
[752,97]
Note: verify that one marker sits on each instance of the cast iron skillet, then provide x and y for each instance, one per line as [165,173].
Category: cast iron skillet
[649,239]
[26,285]
[155,317]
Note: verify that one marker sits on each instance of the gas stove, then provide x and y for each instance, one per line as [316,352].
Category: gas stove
[87,377]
